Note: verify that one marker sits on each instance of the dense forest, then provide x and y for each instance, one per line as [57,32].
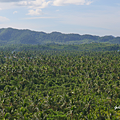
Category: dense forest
[59,47]
[54,82]
[15,36]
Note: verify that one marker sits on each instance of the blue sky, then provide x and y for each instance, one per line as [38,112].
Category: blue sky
[96,17]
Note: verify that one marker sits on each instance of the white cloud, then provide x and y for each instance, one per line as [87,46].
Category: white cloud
[22,3]
[3,19]
[89,2]
[76,2]
[0,8]
[15,12]
[35,12]
[34,4]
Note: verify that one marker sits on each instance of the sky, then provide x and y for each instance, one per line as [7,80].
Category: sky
[96,17]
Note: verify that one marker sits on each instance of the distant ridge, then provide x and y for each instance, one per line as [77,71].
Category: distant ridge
[26,36]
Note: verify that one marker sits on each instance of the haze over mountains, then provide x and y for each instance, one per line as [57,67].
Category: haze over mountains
[15,36]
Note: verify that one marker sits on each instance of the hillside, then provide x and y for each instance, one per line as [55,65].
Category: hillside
[15,36]
[47,77]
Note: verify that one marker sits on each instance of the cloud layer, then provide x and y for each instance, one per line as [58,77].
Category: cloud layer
[10,0]
[76,2]
[36,6]
[44,3]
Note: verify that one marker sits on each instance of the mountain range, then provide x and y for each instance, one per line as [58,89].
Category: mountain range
[16,36]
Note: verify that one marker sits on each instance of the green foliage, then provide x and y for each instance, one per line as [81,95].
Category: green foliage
[55,48]
[55,85]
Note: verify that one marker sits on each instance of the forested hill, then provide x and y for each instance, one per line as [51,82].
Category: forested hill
[15,36]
